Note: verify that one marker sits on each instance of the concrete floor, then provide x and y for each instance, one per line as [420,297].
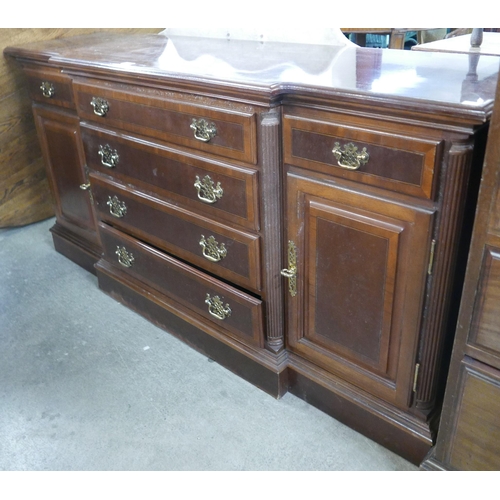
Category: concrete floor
[88,385]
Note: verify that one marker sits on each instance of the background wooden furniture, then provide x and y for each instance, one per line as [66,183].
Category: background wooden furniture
[462,44]
[25,196]
[397,36]
[469,433]
[303,232]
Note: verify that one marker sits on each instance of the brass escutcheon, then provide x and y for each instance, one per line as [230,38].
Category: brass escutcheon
[203,130]
[291,272]
[208,192]
[216,308]
[100,105]
[212,250]
[125,258]
[116,207]
[349,158]
[109,156]
[47,89]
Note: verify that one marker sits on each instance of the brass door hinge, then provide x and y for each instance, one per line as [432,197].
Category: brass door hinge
[415,377]
[431,257]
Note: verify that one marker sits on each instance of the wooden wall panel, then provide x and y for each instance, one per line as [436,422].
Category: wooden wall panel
[24,190]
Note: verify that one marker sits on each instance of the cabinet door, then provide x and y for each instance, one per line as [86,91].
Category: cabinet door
[58,132]
[361,267]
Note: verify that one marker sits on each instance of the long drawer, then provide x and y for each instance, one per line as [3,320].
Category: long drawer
[218,127]
[388,160]
[236,313]
[216,189]
[231,254]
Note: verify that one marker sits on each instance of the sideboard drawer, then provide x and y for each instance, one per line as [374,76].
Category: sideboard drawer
[229,253]
[216,189]
[50,86]
[219,128]
[388,160]
[238,314]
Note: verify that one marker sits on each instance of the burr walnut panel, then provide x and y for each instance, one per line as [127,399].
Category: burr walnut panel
[237,313]
[355,312]
[181,232]
[389,160]
[231,133]
[224,191]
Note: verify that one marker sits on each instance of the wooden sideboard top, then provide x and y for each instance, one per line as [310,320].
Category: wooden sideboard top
[270,71]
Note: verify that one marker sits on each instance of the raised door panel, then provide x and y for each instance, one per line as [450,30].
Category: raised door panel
[61,147]
[476,426]
[361,268]
[484,333]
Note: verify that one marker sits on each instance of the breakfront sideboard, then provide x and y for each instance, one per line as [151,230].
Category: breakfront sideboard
[295,211]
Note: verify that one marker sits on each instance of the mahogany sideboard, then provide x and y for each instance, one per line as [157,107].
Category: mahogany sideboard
[295,211]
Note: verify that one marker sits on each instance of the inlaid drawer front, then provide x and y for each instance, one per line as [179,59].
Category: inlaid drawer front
[391,161]
[218,128]
[50,86]
[218,190]
[238,314]
[226,252]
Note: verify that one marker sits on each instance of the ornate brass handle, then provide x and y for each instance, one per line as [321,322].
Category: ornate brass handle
[216,308]
[212,250]
[203,130]
[100,105]
[208,192]
[116,207]
[291,272]
[109,156]
[85,186]
[349,158]
[125,258]
[47,89]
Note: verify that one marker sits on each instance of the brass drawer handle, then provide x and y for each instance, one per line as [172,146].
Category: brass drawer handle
[208,192]
[116,207]
[47,89]
[349,158]
[203,130]
[125,258]
[216,308]
[85,187]
[109,156]
[100,105]
[212,250]
[291,272]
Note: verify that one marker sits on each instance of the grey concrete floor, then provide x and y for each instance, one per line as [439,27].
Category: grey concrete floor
[88,385]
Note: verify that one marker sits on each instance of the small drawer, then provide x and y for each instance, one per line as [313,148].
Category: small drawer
[50,86]
[217,127]
[387,160]
[231,254]
[214,189]
[236,313]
